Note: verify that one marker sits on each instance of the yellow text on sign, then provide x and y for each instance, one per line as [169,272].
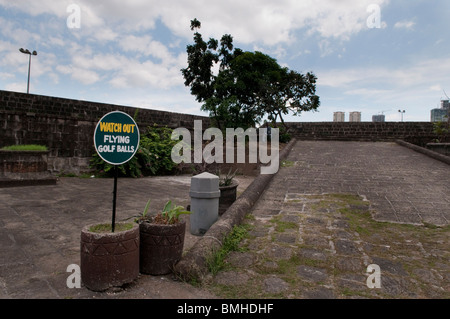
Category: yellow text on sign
[116,127]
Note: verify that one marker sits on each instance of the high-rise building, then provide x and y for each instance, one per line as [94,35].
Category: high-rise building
[339,117]
[378,118]
[438,115]
[355,117]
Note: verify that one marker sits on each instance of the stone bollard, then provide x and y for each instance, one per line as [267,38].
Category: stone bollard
[205,195]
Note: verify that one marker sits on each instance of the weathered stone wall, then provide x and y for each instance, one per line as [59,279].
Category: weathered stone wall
[414,132]
[67,126]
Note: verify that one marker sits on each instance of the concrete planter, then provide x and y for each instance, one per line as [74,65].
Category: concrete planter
[228,196]
[24,167]
[109,259]
[161,247]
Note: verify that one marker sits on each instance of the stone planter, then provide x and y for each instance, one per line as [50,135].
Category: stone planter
[24,168]
[109,259]
[228,196]
[161,247]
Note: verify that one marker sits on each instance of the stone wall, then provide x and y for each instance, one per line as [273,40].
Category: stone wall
[414,132]
[67,126]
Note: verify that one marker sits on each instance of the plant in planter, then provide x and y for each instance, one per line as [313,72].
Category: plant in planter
[109,259]
[161,239]
[25,165]
[228,190]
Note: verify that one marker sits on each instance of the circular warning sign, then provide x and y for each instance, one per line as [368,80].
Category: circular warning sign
[116,138]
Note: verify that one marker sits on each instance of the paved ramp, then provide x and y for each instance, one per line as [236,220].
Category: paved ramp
[402,185]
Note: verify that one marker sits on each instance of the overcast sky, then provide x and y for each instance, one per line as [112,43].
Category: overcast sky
[372,56]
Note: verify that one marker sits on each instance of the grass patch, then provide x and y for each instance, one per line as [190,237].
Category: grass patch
[25,147]
[282,226]
[349,199]
[289,266]
[216,261]
[349,215]
[82,175]
[287,163]
[106,228]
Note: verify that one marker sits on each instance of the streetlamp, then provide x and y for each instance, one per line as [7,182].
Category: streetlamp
[26,51]
[401,112]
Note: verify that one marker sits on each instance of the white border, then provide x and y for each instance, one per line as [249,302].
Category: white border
[137,129]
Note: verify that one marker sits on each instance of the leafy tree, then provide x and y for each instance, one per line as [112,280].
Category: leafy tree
[152,158]
[294,93]
[248,86]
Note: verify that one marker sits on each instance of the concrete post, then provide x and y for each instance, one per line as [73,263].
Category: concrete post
[204,195]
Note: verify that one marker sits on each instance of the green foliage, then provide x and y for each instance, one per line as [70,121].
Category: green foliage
[107,228]
[248,86]
[216,261]
[227,179]
[442,130]
[159,144]
[147,206]
[27,147]
[152,158]
[170,214]
[285,137]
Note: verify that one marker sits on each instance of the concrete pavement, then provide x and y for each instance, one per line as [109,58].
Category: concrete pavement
[40,227]
[333,209]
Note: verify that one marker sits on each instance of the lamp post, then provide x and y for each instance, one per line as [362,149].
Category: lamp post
[401,112]
[26,51]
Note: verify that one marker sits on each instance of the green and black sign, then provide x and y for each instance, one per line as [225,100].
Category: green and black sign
[116,138]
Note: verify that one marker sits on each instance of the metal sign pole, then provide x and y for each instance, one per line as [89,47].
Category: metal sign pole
[116,140]
[114,200]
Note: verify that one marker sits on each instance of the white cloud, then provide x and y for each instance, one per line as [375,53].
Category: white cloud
[18,87]
[422,73]
[269,22]
[6,75]
[144,61]
[35,8]
[436,88]
[325,48]
[104,34]
[132,71]
[84,76]
[411,86]
[139,45]
[409,25]
[368,92]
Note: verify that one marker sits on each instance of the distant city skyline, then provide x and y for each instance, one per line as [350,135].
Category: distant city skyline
[370,56]
[439,114]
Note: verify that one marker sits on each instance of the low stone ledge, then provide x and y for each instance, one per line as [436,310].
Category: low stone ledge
[430,153]
[24,168]
[441,148]
[193,266]
[5,182]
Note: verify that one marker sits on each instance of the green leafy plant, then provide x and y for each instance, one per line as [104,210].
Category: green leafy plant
[285,137]
[227,179]
[152,158]
[157,140]
[442,130]
[170,214]
[216,261]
